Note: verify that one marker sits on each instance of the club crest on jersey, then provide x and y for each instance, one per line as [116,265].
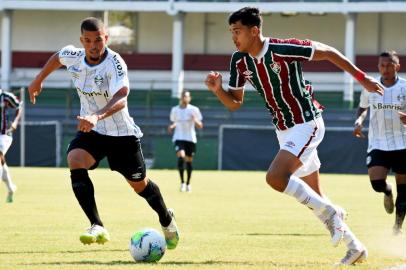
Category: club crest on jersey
[276,67]
[98,80]
[401,97]
[247,74]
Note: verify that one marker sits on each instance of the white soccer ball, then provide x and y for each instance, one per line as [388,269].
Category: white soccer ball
[147,245]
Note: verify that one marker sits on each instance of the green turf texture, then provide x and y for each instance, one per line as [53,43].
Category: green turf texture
[231,220]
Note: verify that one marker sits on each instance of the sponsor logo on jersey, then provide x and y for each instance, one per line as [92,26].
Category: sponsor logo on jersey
[119,68]
[247,74]
[290,144]
[90,93]
[383,106]
[74,69]
[98,80]
[69,53]
[276,67]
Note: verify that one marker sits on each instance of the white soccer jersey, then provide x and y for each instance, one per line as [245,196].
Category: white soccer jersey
[96,86]
[386,131]
[185,126]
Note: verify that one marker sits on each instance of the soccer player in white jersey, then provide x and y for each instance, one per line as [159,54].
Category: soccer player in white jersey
[8,101]
[184,118]
[387,135]
[105,128]
[273,67]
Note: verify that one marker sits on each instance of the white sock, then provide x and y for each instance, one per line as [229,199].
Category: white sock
[5,176]
[307,196]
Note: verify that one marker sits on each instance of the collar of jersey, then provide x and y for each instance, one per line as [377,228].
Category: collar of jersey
[92,66]
[396,82]
[263,50]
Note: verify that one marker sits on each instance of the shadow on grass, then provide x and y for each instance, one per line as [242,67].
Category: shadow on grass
[62,251]
[209,262]
[284,234]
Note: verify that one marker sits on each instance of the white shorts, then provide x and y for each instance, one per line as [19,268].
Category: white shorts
[302,141]
[5,143]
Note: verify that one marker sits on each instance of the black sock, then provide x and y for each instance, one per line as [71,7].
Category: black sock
[181,169]
[154,198]
[381,186]
[83,188]
[189,170]
[401,198]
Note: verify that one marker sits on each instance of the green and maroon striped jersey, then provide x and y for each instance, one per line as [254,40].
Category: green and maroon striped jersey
[276,73]
[7,100]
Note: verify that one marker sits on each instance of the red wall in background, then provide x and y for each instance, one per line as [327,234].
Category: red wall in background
[200,62]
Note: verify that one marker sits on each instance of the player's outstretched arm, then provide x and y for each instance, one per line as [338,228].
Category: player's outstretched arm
[325,52]
[35,87]
[361,115]
[231,99]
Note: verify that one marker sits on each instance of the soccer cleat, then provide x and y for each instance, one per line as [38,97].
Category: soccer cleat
[182,187]
[171,232]
[354,256]
[95,234]
[336,227]
[388,203]
[397,228]
[188,188]
[10,194]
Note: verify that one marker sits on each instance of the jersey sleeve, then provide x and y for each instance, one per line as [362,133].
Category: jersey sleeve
[118,74]
[172,115]
[13,101]
[198,114]
[292,49]
[69,55]
[237,80]
[364,99]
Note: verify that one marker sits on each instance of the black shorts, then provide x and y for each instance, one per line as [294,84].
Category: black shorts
[188,147]
[124,153]
[395,160]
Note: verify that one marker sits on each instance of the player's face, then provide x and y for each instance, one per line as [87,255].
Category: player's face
[186,98]
[387,68]
[243,36]
[94,43]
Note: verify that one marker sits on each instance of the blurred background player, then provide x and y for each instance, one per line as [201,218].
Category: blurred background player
[184,118]
[273,67]
[105,128]
[8,101]
[386,135]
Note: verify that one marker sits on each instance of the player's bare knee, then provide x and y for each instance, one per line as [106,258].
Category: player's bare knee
[277,180]
[138,186]
[181,154]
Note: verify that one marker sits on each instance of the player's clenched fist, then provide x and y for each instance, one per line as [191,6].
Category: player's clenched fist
[213,81]
[87,123]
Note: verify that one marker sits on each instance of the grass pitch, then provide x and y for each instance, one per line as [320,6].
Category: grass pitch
[231,220]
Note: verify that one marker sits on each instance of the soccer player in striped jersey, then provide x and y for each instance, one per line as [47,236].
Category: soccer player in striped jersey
[184,118]
[8,101]
[105,128]
[387,135]
[273,67]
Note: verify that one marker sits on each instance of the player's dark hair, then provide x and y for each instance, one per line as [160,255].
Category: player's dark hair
[392,55]
[184,93]
[248,16]
[91,24]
